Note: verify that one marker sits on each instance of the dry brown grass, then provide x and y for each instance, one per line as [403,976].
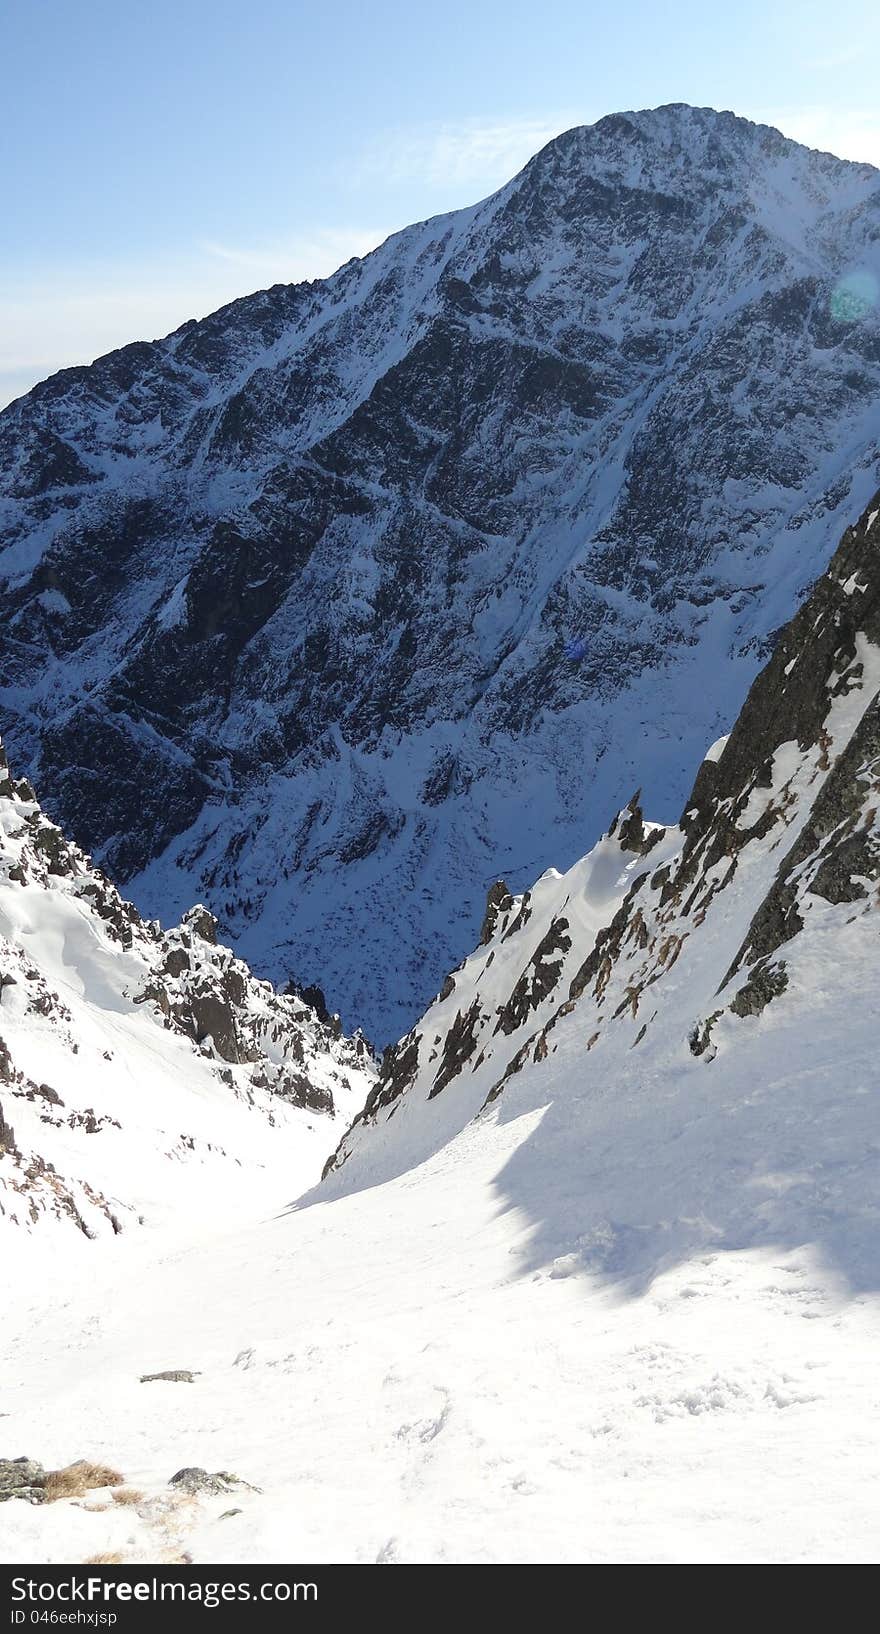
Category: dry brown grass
[127,1495]
[75,1479]
[162,1557]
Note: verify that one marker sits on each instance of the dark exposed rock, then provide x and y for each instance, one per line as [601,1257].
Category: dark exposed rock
[89,1120]
[205,1011]
[177,960]
[7,1133]
[793,694]
[460,1045]
[439,784]
[127,797]
[294,1087]
[54,848]
[399,1065]
[119,916]
[498,902]
[765,984]
[538,980]
[776,921]
[44,1092]
[7,788]
[213,1017]
[607,945]
[845,866]
[202,923]
[522,918]
[313,996]
[50,463]
[701,1037]
[835,848]
[631,830]
[398,1070]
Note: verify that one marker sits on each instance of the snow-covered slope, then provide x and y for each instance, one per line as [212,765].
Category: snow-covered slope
[627,1311]
[332,607]
[146,1077]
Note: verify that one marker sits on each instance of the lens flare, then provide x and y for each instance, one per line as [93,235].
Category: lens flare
[854,297]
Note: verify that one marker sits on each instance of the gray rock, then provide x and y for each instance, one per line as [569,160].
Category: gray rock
[202,923]
[22,1478]
[175,1375]
[763,986]
[498,901]
[197,1482]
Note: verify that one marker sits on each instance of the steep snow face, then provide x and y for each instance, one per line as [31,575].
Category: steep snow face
[647,975]
[490,1009]
[145,1076]
[370,590]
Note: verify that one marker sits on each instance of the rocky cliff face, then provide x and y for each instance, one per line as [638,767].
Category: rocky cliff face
[666,947]
[143,1072]
[334,606]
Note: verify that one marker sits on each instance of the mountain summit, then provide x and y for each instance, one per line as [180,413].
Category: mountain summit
[334,606]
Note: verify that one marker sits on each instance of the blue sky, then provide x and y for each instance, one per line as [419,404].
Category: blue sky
[160,158]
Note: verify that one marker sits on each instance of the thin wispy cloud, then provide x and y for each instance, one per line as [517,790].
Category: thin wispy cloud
[468,151]
[291,261]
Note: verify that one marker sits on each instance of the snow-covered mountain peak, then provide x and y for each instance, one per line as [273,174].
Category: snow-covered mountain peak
[327,610]
[699,154]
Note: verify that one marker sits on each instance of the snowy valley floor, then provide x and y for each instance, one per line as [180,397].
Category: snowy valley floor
[410,1374]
